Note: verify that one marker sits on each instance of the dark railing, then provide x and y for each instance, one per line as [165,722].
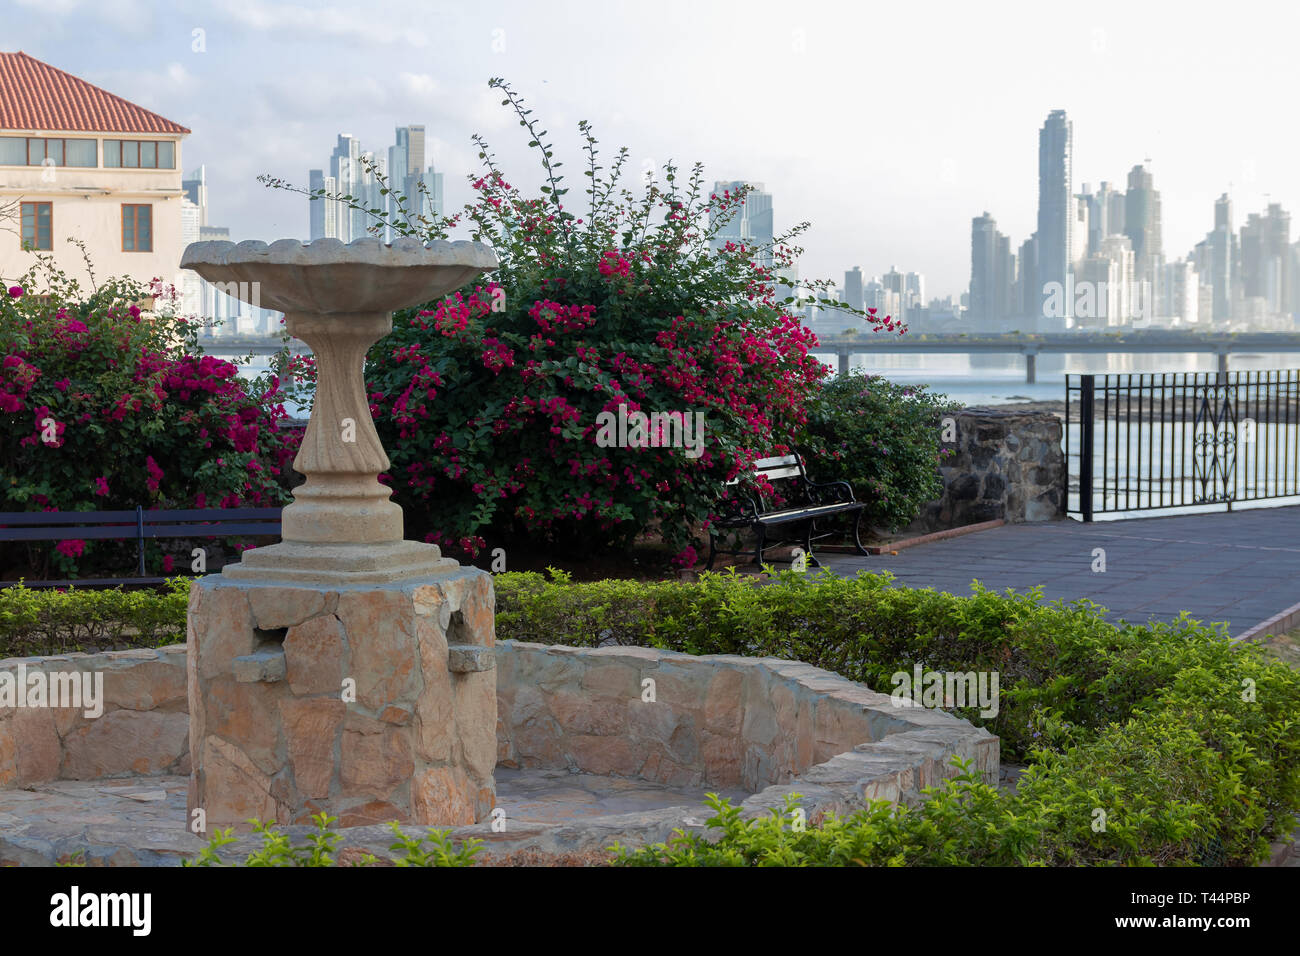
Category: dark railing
[1181,439]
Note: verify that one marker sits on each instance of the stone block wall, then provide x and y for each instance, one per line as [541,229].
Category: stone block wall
[1007,464]
[722,721]
[143,728]
[370,704]
[768,726]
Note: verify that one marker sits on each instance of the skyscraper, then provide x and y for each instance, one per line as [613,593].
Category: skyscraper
[853,288]
[991,274]
[195,186]
[1142,224]
[1055,205]
[751,224]
[1221,248]
[1266,259]
[357,173]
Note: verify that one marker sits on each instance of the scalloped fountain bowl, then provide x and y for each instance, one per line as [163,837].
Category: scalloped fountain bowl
[341,527]
[327,277]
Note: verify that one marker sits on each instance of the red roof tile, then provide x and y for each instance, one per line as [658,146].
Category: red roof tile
[37,96]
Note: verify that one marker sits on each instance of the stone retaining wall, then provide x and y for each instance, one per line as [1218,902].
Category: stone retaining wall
[143,729]
[724,721]
[1007,465]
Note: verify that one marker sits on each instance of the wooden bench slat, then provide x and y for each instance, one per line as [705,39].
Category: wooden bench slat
[772,474]
[214,530]
[66,517]
[210,514]
[774,460]
[109,532]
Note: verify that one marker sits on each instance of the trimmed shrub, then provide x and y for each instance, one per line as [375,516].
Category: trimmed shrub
[1187,741]
[39,622]
[883,439]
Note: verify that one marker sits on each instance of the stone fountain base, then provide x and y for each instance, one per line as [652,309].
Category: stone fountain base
[367,701]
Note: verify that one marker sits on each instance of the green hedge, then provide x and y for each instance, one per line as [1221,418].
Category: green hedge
[37,622]
[1188,743]
[1152,724]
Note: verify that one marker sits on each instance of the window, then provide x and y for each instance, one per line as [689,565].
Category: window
[135,154]
[38,227]
[137,228]
[81,152]
[13,151]
[40,151]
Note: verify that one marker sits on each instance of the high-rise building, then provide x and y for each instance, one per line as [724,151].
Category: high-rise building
[913,291]
[992,271]
[1055,206]
[1079,231]
[361,174]
[1266,259]
[325,213]
[1026,298]
[195,186]
[1182,293]
[853,289]
[1105,215]
[751,224]
[1221,246]
[1142,224]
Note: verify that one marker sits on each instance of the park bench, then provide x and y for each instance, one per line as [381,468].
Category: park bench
[138,525]
[805,503]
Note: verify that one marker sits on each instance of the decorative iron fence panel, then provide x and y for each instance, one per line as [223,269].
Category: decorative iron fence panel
[1152,441]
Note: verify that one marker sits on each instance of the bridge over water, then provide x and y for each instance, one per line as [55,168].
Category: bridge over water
[1030,345]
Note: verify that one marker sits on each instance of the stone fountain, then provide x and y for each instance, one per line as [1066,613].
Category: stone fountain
[344,669]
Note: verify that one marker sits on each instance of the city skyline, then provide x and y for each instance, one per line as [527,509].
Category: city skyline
[355,171]
[1132,80]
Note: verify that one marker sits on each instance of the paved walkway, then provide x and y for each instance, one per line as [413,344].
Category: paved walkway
[142,821]
[1241,567]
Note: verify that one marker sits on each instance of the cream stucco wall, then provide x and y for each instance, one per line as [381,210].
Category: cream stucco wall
[87,204]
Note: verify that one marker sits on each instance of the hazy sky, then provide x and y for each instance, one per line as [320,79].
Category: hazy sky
[887,126]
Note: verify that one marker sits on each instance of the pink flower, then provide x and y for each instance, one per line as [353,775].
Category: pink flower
[72,548]
[169,564]
[15,292]
[101,487]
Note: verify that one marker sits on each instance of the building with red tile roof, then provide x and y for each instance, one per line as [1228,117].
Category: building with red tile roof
[77,161]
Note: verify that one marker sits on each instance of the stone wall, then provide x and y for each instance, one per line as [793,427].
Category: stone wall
[1007,464]
[368,703]
[723,721]
[143,729]
[760,724]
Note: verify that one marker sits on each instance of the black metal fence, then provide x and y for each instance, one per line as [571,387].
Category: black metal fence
[1181,439]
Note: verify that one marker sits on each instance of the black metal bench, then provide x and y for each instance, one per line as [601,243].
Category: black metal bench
[126,525]
[806,502]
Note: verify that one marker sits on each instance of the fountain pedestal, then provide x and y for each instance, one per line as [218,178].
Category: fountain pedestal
[344,669]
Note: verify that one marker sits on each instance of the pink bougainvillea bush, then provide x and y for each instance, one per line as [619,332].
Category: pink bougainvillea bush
[508,408]
[103,408]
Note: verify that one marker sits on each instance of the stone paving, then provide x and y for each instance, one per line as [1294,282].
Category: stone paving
[142,821]
[1241,567]
[558,796]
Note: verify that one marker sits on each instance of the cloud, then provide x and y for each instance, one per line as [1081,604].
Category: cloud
[358,25]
